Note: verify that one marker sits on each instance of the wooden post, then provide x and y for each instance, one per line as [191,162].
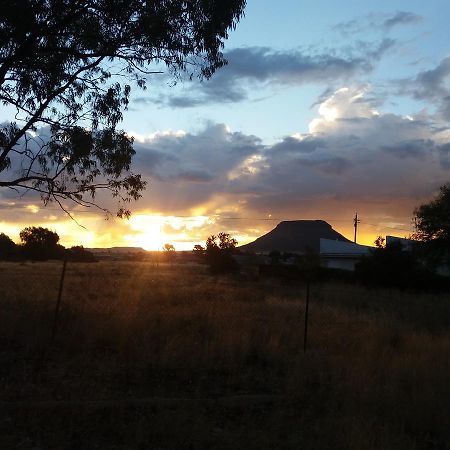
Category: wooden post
[58,301]
[305,337]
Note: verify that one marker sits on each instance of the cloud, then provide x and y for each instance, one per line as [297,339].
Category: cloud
[431,86]
[433,83]
[401,18]
[260,67]
[353,154]
[377,22]
[354,157]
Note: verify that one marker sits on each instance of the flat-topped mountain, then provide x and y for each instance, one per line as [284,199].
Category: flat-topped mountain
[296,236]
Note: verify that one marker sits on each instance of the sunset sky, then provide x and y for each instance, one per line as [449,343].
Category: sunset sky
[325,108]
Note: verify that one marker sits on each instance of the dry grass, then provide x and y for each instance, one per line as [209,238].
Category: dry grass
[375,375]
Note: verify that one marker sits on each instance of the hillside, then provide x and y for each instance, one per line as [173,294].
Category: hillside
[297,236]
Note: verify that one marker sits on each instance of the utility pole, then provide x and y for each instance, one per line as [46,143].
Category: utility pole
[355,224]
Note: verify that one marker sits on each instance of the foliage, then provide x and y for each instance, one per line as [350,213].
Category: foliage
[219,253]
[66,69]
[169,248]
[394,267]
[199,253]
[8,249]
[79,254]
[380,242]
[432,223]
[169,252]
[40,243]
[432,220]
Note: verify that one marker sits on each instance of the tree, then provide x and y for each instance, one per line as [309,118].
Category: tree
[219,253]
[78,253]
[380,242]
[169,248]
[392,266]
[169,252]
[68,65]
[8,249]
[432,220]
[40,243]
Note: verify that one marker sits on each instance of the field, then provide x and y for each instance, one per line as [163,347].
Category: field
[169,357]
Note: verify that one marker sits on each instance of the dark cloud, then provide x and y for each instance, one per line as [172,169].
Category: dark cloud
[261,66]
[410,149]
[444,155]
[291,145]
[377,22]
[331,165]
[354,156]
[195,176]
[401,18]
[431,84]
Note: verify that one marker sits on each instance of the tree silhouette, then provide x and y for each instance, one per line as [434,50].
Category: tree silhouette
[380,242]
[78,253]
[68,65]
[40,243]
[198,249]
[8,249]
[169,248]
[432,220]
[432,223]
[219,253]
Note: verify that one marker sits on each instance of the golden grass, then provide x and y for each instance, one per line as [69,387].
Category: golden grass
[375,375]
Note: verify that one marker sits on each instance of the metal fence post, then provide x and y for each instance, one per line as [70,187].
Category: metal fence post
[58,301]
[305,337]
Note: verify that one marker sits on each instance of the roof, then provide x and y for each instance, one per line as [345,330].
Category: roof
[337,249]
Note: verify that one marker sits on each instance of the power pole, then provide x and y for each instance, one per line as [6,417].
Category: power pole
[355,224]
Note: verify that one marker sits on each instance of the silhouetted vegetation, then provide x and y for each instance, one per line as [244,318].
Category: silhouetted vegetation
[9,251]
[79,254]
[219,253]
[432,223]
[40,244]
[69,66]
[392,266]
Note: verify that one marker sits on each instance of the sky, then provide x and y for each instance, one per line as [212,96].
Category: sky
[325,109]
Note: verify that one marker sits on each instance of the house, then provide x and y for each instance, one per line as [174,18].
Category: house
[341,255]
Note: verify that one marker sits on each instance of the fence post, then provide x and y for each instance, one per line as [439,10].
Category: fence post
[58,301]
[305,337]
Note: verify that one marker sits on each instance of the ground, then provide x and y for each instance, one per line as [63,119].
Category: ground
[168,357]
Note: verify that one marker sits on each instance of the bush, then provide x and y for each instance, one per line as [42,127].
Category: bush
[40,244]
[80,254]
[394,267]
[9,251]
[219,253]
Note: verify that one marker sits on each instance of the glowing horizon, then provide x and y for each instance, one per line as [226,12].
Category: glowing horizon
[151,231]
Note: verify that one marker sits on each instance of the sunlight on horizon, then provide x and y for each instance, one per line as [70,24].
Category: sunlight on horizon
[151,232]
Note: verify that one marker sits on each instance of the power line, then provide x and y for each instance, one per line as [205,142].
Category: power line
[217,216]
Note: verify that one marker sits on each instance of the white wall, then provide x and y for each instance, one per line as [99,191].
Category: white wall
[329,246]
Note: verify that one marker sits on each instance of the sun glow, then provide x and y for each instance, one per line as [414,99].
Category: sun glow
[151,232]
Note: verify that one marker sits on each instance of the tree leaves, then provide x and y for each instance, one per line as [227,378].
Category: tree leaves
[62,65]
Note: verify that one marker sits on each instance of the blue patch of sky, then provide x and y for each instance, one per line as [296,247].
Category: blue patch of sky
[309,25]
[271,113]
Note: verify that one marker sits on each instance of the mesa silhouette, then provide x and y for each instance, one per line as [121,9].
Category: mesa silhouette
[295,236]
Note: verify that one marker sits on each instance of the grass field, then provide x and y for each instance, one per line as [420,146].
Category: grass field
[168,357]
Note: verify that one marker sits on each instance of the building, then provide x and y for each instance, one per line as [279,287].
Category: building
[341,255]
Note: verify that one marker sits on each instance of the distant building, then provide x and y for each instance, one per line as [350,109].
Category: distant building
[407,244]
[341,255]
